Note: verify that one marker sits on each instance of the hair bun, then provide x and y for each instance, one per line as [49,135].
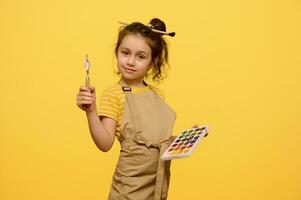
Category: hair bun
[158,24]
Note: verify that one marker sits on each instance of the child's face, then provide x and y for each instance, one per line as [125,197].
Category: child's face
[134,58]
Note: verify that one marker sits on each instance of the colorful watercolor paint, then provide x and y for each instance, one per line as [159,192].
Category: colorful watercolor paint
[185,143]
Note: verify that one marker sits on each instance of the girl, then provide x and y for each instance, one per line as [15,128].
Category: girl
[134,111]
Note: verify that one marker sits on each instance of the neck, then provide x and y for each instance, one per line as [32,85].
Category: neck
[134,83]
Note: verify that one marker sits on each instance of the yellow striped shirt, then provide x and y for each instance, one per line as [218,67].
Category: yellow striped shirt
[113,101]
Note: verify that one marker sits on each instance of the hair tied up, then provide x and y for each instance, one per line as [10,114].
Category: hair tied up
[152,27]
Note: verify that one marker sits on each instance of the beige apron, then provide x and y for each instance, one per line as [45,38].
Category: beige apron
[146,129]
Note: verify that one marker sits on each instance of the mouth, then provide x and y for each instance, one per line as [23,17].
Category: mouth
[129,69]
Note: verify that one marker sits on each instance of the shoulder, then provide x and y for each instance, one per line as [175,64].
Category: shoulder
[157,90]
[113,90]
[113,94]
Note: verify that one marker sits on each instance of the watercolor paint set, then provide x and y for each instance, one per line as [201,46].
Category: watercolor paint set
[185,143]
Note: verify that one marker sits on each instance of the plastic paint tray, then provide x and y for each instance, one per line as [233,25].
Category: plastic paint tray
[184,144]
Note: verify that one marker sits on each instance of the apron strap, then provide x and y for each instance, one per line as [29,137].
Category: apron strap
[162,179]
[128,94]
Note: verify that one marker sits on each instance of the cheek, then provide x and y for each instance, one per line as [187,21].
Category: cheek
[144,65]
[120,60]
[146,62]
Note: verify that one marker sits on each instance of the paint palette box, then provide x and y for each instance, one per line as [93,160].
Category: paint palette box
[185,143]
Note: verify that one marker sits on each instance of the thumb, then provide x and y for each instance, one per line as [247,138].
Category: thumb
[92,88]
[195,126]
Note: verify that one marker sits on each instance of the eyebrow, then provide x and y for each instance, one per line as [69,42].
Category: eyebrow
[124,48]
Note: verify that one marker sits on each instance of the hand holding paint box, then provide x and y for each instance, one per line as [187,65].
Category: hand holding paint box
[185,143]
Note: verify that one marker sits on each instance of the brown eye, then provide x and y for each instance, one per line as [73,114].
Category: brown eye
[141,57]
[124,53]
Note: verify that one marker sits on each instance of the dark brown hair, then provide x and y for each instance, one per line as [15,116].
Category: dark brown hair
[156,42]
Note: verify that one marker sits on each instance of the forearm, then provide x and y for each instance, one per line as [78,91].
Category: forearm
[100,135]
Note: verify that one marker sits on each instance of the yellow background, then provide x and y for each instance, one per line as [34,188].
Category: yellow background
[235,66]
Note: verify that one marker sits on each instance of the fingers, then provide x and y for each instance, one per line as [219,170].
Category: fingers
[85,97]
[204,126]
[85,94]
[86,91]
[86,88]
[206,129]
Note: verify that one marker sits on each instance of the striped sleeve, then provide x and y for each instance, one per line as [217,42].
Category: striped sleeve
[109,105]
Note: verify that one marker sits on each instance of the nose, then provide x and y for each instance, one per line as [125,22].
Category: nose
[131,61]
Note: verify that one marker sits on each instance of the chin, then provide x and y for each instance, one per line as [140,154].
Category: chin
[131,78]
